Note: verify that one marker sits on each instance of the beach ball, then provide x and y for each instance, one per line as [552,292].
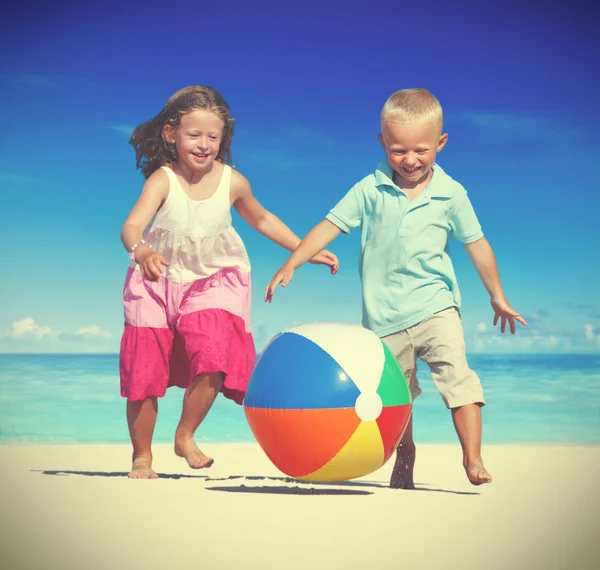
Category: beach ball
[327,402]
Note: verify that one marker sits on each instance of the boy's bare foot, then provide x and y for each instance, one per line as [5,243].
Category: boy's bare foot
[402,474]
[476,472]
[141,468]
[186,447]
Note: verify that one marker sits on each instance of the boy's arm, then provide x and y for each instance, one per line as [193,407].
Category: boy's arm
[316,240]
[483,259]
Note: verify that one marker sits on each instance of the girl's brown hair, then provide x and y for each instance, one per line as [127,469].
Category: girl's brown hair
[152,151]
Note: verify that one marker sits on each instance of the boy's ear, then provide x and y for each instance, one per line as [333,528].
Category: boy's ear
[382,142]
[442,142]
[168,133]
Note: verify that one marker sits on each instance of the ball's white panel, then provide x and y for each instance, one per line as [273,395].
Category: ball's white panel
[368,406]
[356,349]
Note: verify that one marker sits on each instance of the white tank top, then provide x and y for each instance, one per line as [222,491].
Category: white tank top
[196,236]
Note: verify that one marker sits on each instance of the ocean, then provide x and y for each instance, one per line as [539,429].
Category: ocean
[74,399]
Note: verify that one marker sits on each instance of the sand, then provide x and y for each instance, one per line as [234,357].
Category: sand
[72,507]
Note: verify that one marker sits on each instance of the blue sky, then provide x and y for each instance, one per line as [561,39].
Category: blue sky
[305,82]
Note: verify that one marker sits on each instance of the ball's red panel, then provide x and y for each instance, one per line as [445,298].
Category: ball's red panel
[392,422]
[299,442]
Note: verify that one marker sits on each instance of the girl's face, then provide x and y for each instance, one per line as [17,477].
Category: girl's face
[197,139]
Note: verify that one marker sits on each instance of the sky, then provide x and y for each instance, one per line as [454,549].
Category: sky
[305,82]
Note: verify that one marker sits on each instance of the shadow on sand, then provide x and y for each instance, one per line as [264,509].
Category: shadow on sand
[281,486]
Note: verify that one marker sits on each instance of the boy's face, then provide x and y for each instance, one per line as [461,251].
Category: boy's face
[411,150]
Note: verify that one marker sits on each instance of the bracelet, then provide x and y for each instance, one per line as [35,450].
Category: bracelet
[133,248]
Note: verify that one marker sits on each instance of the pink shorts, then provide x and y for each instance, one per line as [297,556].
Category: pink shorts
[175,331]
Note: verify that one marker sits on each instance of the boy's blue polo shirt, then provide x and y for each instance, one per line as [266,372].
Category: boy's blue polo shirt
[404,262]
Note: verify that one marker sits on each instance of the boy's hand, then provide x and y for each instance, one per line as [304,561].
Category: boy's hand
[151,263]
[282,277]
[326,258]
[503,312]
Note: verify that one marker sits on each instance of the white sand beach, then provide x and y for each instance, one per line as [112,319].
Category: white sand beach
[72,507]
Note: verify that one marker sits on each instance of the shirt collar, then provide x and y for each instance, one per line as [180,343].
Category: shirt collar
[438,187]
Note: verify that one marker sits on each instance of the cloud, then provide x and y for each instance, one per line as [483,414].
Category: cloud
[506,126]
[590,311]
[6,176]
[274,159]
[592,334]
[281,152]
[93,331]
[28,328]
[537,316]
[538,338]
[125,129]
[33,80]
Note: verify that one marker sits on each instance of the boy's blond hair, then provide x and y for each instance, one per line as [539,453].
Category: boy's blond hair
[412,106]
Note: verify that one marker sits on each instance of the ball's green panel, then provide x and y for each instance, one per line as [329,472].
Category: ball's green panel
[392,389]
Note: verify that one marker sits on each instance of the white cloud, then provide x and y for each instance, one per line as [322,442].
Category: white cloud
[592,334]
[506,126]
[34,80]
[125,129]
[93,331]
[481,327]
[6,176]
[28,328]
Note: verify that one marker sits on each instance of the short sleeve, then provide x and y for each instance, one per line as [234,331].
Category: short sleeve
[348,213]
[463,221]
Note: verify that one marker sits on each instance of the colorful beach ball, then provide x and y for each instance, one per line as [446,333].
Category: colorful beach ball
[327,402]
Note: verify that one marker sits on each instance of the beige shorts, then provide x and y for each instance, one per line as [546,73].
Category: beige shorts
[439,341]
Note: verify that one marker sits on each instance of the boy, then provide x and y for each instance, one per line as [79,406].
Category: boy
[406,211]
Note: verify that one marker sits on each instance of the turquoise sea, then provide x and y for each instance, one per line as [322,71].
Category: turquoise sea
[74,398]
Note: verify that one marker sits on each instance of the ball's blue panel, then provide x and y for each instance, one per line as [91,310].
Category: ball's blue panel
[295,373]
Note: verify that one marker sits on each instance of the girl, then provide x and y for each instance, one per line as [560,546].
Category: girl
[187,290]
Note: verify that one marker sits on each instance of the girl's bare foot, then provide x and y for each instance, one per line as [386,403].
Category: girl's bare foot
[186,447]
[402,474]
[141,468]
[476,472]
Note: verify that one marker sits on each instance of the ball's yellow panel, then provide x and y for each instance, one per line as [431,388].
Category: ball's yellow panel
[362,454]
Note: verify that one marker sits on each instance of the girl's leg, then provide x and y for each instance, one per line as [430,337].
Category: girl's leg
[141,419]
[198,399]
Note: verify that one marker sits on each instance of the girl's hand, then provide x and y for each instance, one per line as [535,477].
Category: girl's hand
[503,312]
[150,263]
[326,258]
[282,277]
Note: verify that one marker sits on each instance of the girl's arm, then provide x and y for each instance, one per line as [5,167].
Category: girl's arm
[270,225]
[320,236]
[483,259]
[154,193]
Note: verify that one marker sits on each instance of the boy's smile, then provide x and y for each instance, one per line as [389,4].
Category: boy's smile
[411,150]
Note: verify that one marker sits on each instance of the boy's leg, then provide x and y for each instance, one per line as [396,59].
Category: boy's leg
[402,348]
[198,399]
[141,419]
[442,339]
[402,473]
[467,422]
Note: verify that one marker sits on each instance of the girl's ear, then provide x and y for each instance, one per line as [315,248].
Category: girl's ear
[168,133]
